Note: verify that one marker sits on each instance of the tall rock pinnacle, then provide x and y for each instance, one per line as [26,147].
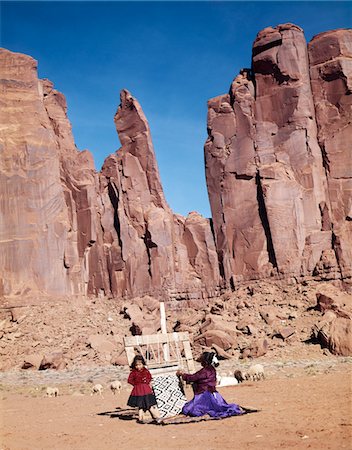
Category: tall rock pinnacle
[273,198]
[149,248]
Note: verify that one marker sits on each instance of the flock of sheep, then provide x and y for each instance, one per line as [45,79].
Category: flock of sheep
[115,387]
[254,373]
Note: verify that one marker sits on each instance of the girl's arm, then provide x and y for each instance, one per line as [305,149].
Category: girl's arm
[131,378]
[148,376]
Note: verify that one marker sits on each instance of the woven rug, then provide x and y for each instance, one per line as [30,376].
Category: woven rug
[169,395]
[186,419]
[132,414]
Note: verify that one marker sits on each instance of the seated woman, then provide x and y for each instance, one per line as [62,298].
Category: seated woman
[206,399]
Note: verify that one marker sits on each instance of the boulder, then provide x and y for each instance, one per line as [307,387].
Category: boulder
[100,343]
[214,322]
[220,352]
[220,338]
[32,361]
[327,303]
[286,332]
[340,337]
[54,361]
[256,349]
[335,333]
[268,315]
[120,360]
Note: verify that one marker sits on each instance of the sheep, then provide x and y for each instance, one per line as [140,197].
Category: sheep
[255,373]
[223,380]
[52,391]
[116,386]
[240,376]
[97,389]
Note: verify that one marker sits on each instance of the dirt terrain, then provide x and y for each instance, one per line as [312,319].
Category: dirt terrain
[303,404]
[304,401]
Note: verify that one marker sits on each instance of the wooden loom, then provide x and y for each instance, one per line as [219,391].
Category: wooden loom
[163,352]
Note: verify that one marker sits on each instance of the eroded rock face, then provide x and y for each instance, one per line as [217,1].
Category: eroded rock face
[278,169]
[65,229]
[34,217]
[83,258]
[331,77]
[48,189]
[149,249]
[278,209]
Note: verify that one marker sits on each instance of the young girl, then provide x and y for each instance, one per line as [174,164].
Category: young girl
[142,395]
[206,399]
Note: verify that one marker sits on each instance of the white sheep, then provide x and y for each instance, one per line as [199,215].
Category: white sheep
[115,386]
[225,381]
[255,373]
[52,391]
[97,389]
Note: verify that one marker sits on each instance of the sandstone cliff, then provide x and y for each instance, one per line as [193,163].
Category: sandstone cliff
[278,160]
[65,229]
[278,168]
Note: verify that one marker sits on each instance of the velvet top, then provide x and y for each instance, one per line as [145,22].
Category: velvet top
[140,380]
[203,380]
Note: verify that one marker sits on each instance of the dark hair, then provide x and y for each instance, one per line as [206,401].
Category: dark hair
[207,359]
[136,359]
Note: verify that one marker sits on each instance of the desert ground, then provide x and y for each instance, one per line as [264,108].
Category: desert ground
[303,404]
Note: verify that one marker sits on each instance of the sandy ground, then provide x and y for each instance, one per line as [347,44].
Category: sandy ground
[301,411]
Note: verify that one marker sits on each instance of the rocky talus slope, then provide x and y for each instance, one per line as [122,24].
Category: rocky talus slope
[272,321]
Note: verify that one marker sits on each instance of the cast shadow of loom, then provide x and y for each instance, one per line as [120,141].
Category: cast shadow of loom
[121,413]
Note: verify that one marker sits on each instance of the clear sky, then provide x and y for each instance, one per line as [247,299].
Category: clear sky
[172,56]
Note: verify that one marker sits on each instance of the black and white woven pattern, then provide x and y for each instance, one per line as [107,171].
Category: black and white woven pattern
[169,396]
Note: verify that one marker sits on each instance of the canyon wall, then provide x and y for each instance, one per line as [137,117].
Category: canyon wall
[278,160]
[278,169]
[66,229]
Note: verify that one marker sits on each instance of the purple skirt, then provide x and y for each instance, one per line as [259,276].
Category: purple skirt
[211,403]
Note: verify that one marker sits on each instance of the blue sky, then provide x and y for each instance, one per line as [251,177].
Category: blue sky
[172,56]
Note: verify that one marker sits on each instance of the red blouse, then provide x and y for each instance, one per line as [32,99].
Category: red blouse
[140,380]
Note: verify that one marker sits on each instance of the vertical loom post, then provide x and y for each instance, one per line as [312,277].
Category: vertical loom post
[166,349]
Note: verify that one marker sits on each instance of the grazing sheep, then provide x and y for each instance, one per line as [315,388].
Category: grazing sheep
[52,391]
[255,373]
[115,386]
[222,380]
[240,376]
[97,389]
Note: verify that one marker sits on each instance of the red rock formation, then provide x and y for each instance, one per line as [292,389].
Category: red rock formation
[149,249]
[265,174]
[48,190]
[331,77]
[83,258]
[67,230]
[34,219]
[278,170]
